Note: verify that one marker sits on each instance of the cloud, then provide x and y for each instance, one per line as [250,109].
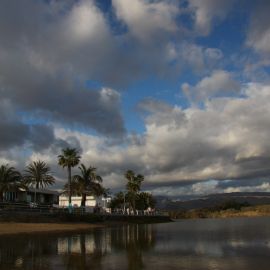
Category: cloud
[228,139]
[147,19]
[258,36]
[180,148]
[47,79]
[62,101]
[193,57]
[16,133]
[161,114]
[212,187]
[51,51]
[207,12]
[219,83]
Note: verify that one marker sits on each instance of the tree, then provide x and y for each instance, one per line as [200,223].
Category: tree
[118,200]
[88,183]
[133,187]
[69,159]
[74,188]
[144,200]
[10,179]
[38,175]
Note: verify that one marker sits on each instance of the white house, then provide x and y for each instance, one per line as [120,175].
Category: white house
[92,202]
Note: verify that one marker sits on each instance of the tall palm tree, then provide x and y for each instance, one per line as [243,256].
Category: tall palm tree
[69,158]
[10,179]
[88,182]
[133,186]
[38,175]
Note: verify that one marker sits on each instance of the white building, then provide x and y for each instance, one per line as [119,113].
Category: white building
[91,203]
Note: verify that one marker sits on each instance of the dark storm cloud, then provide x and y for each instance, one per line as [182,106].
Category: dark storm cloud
[18,134]
[14,132]
[40,49]
[66,103]
[41,137]
[70,142]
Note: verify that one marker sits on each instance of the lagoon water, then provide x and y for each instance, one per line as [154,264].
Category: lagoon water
[242,243]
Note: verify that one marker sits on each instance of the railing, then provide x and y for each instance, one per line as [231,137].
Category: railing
[25,207]
[120,212]
[7,207]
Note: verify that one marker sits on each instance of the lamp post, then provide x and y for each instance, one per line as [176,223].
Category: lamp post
[124,203]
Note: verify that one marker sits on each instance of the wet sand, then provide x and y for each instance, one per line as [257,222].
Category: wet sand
[18,228]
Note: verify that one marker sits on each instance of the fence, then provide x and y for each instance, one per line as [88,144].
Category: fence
[11,207]
[27,207]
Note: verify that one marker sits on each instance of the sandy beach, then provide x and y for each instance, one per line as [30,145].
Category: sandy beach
[16,228]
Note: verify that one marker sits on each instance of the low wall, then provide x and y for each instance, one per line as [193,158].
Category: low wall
[88,218]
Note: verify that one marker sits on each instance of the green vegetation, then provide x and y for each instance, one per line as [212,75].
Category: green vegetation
[132,198]
[38,175]
[88,182]
[10,180]
[133,187]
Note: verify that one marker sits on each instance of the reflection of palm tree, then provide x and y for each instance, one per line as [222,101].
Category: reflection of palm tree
[69,158]
[37,174]
[134,239]
[10,180]
[28,252]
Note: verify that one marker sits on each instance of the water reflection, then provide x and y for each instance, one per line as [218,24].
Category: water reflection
[26,252]
[203,244]
[81,251]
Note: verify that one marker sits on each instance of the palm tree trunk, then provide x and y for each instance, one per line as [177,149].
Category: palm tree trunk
[69,186]
[133,206]
[83,199]
[35,199]
[1,196]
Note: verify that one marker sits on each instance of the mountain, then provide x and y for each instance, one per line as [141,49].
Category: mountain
[252,198]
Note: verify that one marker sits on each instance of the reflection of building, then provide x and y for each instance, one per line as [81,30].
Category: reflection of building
[91,203]
[85,243]
[74,245]
[43,196]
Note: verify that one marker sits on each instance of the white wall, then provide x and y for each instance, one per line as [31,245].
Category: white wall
[90,203]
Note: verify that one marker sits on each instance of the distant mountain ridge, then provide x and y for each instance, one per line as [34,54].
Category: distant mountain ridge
[212,200]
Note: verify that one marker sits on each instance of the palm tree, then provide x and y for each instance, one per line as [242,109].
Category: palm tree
[10,179]
[133,186]
[37,175]
[69,159]
[75,188]
[88,182]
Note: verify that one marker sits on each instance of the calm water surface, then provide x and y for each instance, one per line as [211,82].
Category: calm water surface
[188,244]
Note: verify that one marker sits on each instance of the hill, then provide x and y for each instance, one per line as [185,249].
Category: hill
[214,200]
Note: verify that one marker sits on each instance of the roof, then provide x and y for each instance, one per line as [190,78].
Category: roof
[41,191]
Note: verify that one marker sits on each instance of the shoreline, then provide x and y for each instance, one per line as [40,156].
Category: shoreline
[13,228]
[26,223]
[249,211]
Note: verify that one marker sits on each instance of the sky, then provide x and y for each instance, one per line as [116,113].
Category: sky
[178,91]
